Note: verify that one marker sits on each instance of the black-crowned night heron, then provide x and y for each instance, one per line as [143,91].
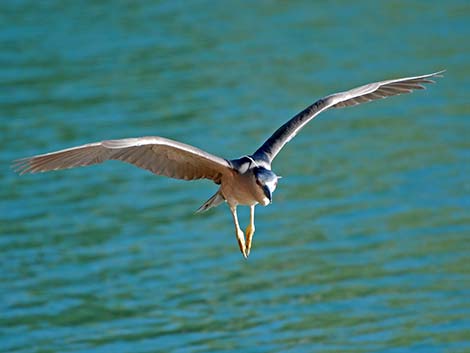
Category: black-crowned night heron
[246,181]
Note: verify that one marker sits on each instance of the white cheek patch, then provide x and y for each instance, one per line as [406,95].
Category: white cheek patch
[271,185]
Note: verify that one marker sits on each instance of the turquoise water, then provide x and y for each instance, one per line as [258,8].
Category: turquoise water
[366,246]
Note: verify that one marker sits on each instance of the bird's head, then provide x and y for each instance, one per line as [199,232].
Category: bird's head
[267,181]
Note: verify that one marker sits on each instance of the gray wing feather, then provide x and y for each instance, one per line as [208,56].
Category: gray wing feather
[157,154]
[363,94]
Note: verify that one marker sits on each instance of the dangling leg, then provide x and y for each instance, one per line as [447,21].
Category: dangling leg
[250,230]
[239,232]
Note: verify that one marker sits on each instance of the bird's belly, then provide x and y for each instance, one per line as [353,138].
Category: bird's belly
[241,191]
[239,197]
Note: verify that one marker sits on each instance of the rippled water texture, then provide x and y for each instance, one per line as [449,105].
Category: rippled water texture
[366,247]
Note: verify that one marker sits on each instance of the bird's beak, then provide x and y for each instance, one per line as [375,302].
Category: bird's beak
[268,193]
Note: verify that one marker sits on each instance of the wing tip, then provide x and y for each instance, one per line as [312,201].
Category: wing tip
[25,166]
[20,165]
[439,73]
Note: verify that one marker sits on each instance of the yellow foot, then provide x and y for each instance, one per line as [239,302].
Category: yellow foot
[241,243]
[250,230]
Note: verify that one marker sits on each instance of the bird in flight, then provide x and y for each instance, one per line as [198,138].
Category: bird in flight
[246,181]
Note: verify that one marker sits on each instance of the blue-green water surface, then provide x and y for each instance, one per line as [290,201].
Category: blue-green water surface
[366,247]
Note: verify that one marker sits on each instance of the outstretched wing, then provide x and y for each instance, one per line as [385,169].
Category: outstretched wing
[363,94]
[157,154]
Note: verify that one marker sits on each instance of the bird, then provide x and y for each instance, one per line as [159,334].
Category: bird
[245,181]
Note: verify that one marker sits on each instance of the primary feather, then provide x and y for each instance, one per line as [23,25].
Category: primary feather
[157,154]
[372,91]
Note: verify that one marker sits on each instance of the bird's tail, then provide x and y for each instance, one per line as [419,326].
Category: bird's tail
[214,201]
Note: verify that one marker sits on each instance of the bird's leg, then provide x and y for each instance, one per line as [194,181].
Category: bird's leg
[250,230]
[238,231]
